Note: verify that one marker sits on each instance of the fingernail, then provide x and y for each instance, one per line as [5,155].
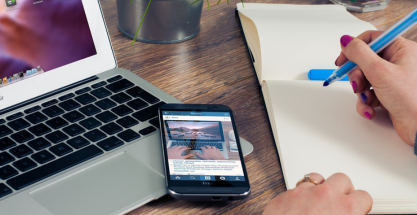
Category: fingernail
[364,98]
[335,62]
[354,85]
[368,115]
[345,39]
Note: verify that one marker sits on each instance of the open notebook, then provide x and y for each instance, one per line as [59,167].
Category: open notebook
[317,129]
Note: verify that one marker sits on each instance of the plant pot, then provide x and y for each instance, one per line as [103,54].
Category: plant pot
[166,21]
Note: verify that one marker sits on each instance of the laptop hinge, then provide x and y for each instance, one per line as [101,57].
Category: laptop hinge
[49,94]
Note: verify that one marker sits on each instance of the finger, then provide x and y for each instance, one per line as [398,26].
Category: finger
[199,155]
[369,98]
[314,176]
[187,156]
[341,59]
[341,182]
[374,67]
[357,80]
[364,110]
[369,36]
[363,199]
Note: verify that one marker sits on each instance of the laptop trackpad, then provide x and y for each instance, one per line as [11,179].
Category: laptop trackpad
[102,189]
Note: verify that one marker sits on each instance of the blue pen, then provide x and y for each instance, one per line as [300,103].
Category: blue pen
[322,74]
[378,44]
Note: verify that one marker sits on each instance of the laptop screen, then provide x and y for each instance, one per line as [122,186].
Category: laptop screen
[194,130]
[37,36]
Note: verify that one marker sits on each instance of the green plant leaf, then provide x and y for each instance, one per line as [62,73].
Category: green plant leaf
[195,2]
[141,21]
[219,1]
[208,3]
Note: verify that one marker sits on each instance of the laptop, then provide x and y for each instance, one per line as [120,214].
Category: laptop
[77,134]
[195,135]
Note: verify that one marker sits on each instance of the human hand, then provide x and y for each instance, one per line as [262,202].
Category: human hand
[391,75]
[176,151]
[336,195]
[210,153]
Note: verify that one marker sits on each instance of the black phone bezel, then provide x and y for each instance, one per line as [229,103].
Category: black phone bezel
[198,187]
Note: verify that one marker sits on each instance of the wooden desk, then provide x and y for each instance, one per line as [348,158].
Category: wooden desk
[214,68]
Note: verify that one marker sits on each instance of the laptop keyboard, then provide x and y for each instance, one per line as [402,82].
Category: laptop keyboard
[197,145]
[44,140]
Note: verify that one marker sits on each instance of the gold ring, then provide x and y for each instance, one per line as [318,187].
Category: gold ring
[306,179]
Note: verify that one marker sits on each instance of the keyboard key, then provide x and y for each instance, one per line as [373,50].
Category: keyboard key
[7,172]
[65,97]
[43,157]
[69,105]
[47,104]
[90,110]
[36,118]
[147,113]
[53,111]
[40,129]
[32,109]
[155,122]
[106,104]
[137,104]
[18,124]
[111,128]
[90,123]
[83,90]
[122,110]
[39,144]
[78,142]
[4,130]
[110,143]
[24,164]
[121,98]
[139,92]
[128,135]
[6,143]
[56,137]
[22,136]
[57,123]
[127,122]
[60,149]
[73,116]
[14,116]
[106,116]
[101,93]
[21,151]
[5,158]
[99,84]
[85,99]
[147,130]
[119,85]
[4,190]
[73,130]
[95,135]
[115,78]
[2,121]
[56,166]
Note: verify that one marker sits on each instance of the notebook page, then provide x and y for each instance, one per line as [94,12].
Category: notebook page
[317,129]
[297,38]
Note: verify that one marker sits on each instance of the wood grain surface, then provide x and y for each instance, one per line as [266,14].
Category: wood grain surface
[214,68]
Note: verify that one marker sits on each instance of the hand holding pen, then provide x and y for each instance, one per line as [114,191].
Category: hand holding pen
[387,80]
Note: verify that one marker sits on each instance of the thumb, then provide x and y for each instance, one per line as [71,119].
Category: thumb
[199,155]
[367,60]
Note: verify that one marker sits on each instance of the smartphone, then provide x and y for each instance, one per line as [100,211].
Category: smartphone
[199,165]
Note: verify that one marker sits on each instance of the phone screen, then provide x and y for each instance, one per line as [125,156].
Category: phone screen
[201,146]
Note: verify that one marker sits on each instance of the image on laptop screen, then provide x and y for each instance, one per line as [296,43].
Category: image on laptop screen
[194,130]
[37,36]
